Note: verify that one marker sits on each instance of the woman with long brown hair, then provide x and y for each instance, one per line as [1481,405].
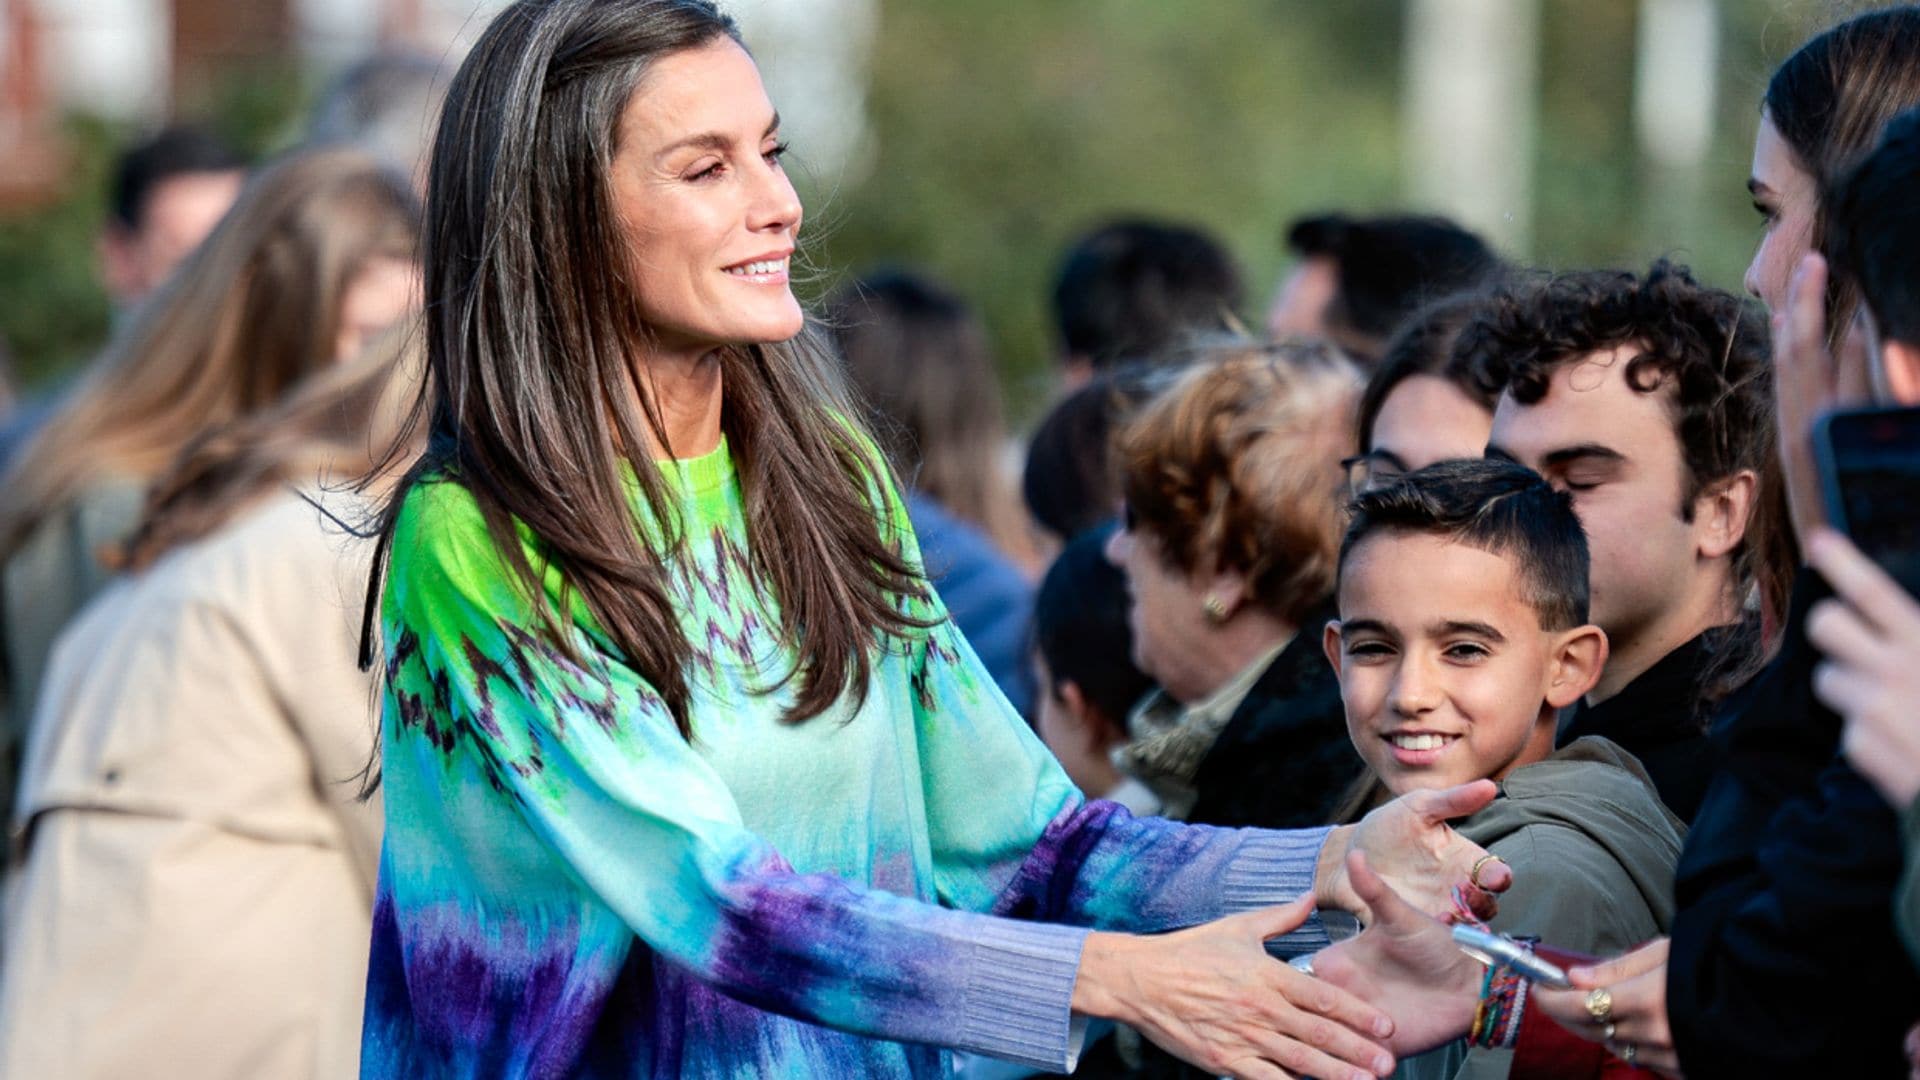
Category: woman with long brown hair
[314,260]
[196,872]
[686,772]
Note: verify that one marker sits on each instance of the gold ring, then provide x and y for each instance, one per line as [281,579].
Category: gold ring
[1600,1005]
[1473,875]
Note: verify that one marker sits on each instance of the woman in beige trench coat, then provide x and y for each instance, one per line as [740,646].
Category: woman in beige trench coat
[195,869]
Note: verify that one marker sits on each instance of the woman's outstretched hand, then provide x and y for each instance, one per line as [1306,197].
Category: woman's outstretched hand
[1410,845]
[1636,986]
[1405,963]
[1212,996]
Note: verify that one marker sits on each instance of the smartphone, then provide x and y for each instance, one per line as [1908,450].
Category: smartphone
[1870,481]
[1499,950]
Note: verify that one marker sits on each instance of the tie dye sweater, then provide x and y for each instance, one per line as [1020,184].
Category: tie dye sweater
[570,888]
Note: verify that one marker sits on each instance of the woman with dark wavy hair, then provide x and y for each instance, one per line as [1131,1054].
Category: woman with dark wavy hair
[686,771]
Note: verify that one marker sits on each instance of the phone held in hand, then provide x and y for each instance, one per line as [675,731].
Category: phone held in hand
[1869,463]
[1499,950]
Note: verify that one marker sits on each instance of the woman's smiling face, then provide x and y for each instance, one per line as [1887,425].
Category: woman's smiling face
[709,214]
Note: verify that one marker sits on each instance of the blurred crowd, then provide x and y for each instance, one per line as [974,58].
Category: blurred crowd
[1429,516]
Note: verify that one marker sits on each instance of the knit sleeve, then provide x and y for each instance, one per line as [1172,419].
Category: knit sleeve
[1012,835]
[590,764]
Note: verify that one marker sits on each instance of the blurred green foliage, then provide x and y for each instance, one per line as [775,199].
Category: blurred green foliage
[1002,128]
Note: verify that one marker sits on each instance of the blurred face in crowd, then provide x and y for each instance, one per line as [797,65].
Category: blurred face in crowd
[710,216]
[178,213]
[1445,670]
[1299,307]
[1786,197]
[1172,637]
[1077,732]
[1425,419]
[376,298]
[1615,451]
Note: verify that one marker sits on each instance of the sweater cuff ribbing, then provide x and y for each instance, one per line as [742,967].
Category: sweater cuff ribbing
[1019,1004]
[1271,868]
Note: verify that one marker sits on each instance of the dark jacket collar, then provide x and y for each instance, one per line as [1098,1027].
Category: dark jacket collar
[1662,706]
[1284,759]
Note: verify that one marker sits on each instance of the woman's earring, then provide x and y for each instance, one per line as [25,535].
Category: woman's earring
[1215,608]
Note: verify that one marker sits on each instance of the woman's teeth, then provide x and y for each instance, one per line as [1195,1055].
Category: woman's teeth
[758,269]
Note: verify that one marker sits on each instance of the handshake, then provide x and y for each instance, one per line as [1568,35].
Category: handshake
[1213,996]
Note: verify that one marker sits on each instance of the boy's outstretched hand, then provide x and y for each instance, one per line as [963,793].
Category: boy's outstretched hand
[1406,965]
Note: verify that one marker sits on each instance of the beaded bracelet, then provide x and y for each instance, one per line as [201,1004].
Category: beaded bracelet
[1503,1001]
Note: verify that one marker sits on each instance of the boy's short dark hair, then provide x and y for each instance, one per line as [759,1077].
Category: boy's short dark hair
[1496,506]
[1875,234]
[1390,267]
[176,151]
[1080,627]
[1130,289]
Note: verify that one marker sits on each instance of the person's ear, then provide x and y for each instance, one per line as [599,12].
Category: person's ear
[1721,514]
[1225,593]
[1073,704]
[1076,371]
[1330,644]
[1901,364]
[1579,656]
[1102,732]
[119,262]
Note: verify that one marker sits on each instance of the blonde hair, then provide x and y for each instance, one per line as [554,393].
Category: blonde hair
[251,312]
[336,428]
[1236,465]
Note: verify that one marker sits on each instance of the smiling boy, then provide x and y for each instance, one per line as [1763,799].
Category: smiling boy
[1463,631]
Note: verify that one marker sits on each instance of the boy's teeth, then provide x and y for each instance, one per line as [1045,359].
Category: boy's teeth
[1419,742]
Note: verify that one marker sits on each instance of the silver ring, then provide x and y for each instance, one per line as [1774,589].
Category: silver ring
[1303,964]
[1606,1033]
[1628,1052]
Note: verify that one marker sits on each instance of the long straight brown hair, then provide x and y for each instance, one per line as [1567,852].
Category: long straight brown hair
[250,313]
[532,341]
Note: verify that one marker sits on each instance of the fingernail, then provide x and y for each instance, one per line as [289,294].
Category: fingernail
[1382,1026]
[1383,1065]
